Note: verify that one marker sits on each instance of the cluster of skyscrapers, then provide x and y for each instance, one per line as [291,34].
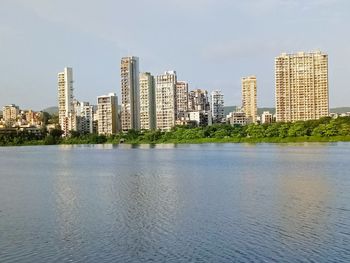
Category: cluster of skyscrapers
[147,103]
[160,102]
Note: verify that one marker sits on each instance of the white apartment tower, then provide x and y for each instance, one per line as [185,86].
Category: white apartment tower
[65,99]
[217,106]
[166,100]
[107,114]
[85,114]
[147,102]
[130,105]
[301,82]
[249,98]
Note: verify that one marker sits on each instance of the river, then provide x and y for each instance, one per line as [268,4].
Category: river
[175,203]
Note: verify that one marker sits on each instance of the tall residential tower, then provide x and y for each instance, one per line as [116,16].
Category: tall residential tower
[107,114]
[130,105]
[301,86]
[147,102]
[181,98]
[166,100]
[217,106]
[65,99]
[249,98]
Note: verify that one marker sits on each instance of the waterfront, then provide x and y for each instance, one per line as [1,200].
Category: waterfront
[175,203]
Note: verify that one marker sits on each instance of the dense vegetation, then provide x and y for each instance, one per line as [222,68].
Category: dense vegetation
[325,129]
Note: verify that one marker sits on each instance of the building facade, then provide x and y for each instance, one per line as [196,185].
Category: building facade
[147,102]
[130,104]
[266,117]
[249,98]
[10,114]
[237,118]
[301,86]
[107,114]
[85,116]
[181,98]
[198,100]
[166,100]
[217,106]
[65,100]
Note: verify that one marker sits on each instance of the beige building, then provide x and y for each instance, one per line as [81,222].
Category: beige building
[147,102]
[249,98]
[166,100]
[107,114]
[10,114]
[301,86]
[65,100]
[181,98]
[130,105]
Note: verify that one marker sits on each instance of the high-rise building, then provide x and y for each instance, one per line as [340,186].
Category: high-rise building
[130,105]
[107,114]
[217,106]
[86,117]
[65,99]
[181,98]
[198,100]
[166,100]
[147,102]
[249,98]
[10,114]
[301,86]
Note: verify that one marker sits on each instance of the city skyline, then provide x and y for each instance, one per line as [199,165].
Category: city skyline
[212,57]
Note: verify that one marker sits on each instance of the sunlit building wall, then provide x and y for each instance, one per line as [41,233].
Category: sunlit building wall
[301,86]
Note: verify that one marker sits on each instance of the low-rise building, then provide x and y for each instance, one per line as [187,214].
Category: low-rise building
[237,118]
[266,117]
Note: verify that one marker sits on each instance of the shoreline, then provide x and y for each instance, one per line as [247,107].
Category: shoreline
[272,140]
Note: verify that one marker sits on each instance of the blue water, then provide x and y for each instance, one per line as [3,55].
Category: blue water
[175,203]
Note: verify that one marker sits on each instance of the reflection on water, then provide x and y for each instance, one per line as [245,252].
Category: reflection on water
[175,203]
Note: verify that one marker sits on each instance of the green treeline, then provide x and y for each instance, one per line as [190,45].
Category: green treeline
[324,129]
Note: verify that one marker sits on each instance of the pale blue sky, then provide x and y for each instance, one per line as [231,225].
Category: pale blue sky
[210,43]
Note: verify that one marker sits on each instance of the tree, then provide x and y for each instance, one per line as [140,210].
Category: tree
[272,130]
[283,130]
[298,129]
[255,130]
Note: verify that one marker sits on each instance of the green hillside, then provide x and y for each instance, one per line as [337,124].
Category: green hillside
[51,110]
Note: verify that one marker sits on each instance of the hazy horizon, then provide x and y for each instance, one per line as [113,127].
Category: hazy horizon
[211,44]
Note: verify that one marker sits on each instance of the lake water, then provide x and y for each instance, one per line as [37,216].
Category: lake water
[175,203]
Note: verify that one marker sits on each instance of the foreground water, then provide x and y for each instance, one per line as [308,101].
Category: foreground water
[168,203]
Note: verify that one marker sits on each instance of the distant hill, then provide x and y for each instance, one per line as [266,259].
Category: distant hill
[51,110]
[340,110]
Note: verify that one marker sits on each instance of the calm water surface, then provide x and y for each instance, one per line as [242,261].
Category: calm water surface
[175,203]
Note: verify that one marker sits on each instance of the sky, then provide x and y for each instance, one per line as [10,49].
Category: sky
[211,44]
